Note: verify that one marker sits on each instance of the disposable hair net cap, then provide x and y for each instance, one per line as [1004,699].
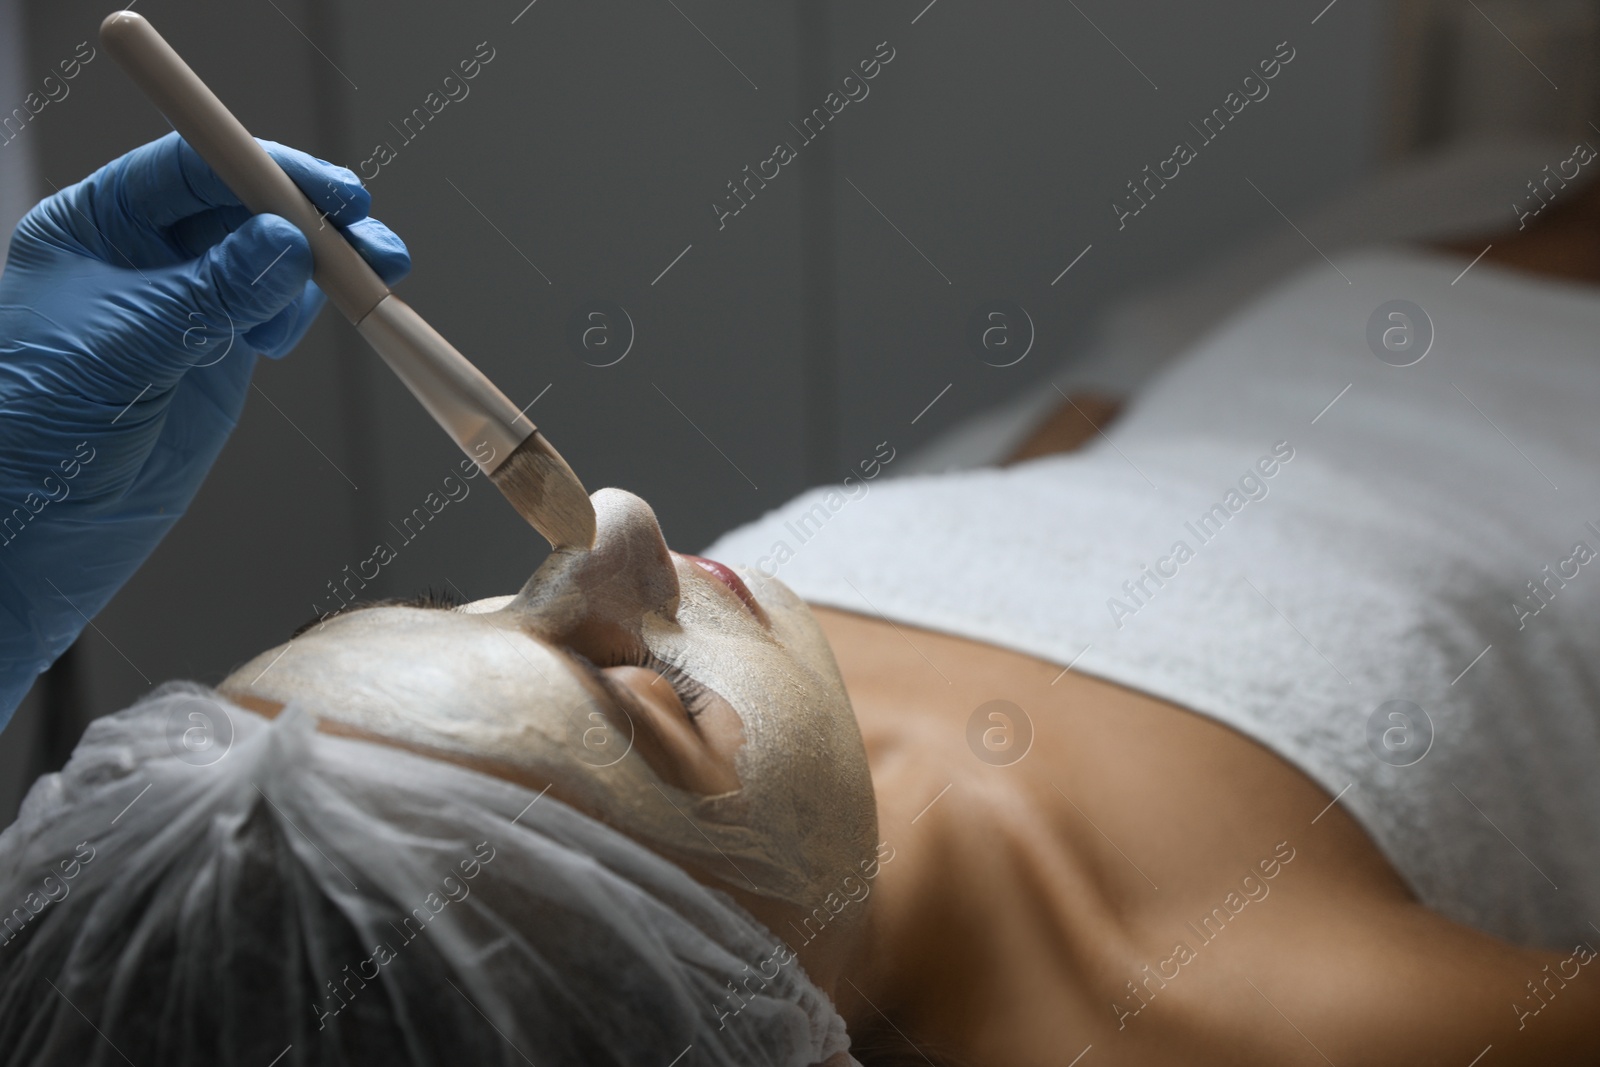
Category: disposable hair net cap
[203,885]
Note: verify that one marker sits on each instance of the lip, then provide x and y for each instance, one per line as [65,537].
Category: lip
[726,575]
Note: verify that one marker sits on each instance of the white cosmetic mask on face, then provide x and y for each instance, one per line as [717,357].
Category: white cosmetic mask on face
[804,816]
[476,686]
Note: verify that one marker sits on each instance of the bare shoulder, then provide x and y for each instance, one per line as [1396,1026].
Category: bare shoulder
[1205,902]
[1327,979]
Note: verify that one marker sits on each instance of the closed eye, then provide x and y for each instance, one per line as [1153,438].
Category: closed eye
[692,693]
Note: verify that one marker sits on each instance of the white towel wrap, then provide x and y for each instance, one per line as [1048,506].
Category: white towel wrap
[1384,560]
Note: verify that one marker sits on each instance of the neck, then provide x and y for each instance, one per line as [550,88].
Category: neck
[982,893]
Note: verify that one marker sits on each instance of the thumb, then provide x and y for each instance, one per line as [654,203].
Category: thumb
[252,274]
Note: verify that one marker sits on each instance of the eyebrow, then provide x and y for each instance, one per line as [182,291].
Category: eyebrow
[431,598]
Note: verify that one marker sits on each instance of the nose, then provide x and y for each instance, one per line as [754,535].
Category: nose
[601,595]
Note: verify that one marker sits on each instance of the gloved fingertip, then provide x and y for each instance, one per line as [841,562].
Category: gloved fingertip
[256,271]
[281,250]
[345,176]
[334,189]
[382,248]
[343,196]
[269,338]
[279,335]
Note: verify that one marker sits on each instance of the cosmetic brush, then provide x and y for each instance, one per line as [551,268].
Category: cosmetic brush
[487,426]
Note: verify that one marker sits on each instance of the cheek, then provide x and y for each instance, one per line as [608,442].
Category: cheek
[804,814]
[782,682]
[728,653]
[793,624]
[808,651]
[721,729]
[696,756]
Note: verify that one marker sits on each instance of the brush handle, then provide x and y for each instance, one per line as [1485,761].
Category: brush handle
[462,400]
[482,421]
[222,141]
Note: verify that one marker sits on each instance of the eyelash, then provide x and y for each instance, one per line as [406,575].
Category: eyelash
[692,693]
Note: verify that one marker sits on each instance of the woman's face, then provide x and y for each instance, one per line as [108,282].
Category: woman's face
[650,689]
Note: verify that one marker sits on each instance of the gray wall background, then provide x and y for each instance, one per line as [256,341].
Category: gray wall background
[777,350]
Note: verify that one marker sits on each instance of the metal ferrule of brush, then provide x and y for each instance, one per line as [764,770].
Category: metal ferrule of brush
[471,409]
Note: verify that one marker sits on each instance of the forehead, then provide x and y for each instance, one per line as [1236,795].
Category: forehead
[375,630]
[486,605]
[358,622]
[419,657]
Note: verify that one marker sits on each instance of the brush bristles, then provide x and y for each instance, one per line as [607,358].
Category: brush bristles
[543,489]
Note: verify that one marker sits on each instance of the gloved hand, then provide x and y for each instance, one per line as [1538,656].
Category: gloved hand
[132,309]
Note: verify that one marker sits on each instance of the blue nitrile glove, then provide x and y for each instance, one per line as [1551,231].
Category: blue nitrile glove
[132,309]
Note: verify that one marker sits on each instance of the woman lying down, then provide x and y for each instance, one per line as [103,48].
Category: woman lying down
[1259,730]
